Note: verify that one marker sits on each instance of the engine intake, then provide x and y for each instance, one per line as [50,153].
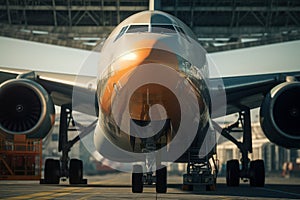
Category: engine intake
[280,115]
[25,108]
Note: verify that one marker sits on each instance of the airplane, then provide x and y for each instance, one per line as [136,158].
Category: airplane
[153,95]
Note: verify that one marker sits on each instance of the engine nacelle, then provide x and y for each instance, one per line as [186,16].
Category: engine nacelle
[25,108]
[280,115]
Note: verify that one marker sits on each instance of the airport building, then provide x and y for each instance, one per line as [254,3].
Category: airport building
[218,24]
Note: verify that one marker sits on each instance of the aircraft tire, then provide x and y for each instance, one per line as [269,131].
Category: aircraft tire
[257,173]
[75,171]
[52,171]
[161,180]
[232,173]
[187,187]
[137,179]
[212,187]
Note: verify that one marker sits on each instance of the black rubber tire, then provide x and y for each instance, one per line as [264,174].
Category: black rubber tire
[233,173]
[187,187]
[75,171]
[52,171]
[161,179]
[257,173]
[212,187]
[137,179]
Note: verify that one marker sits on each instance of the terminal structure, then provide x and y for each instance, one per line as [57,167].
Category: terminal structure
[218,24]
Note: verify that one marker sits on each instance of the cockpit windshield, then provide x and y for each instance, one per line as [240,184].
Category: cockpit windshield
[137,28]
[162,28]
[153,28]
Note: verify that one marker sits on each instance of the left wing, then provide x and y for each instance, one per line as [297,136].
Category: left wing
[277,95]
[250,91]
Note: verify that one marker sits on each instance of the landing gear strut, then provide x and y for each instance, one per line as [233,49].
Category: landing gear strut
[200,172]
[150,146]
[254,170]
[139,179]
[66,168]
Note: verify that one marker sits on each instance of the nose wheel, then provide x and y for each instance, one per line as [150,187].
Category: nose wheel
[161,180]
[139,179]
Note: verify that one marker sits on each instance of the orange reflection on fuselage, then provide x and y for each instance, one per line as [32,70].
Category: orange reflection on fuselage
[123,69]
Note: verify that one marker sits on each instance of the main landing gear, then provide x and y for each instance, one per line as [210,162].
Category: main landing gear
[66,168]
[252,171]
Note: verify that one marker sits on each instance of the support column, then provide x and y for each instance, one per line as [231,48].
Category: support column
[102,13]
[118,12]
[69,13]
[192,14]
[276,160]
[24,12]
[288,155]
[54,12]
[8,12]
[175,7]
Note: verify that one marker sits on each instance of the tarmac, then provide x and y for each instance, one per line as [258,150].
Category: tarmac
[118,186]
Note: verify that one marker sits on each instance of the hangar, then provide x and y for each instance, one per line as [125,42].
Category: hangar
[218,24]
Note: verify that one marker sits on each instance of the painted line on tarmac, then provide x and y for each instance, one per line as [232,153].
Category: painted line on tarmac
[50,194]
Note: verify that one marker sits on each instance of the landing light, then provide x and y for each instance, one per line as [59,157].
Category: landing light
[130,56]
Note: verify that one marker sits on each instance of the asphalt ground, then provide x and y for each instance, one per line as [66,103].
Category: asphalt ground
[118,186]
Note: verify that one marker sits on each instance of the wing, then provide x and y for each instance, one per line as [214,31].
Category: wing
[59,86]
[250,91]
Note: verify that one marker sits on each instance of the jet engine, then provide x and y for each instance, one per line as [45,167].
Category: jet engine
[25,108]
[280,115]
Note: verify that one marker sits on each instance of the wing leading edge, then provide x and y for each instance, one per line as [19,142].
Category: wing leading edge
[241,91]
[59,86]
[249,91]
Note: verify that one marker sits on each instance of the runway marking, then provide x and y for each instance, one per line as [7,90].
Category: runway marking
[279,191]
[50,194]
[55,195]
[28,196]
[87,196]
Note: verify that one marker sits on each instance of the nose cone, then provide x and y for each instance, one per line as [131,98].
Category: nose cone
[120,71]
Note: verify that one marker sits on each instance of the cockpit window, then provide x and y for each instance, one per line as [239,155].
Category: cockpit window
[137,28]
[181,32]
[162,28]
[121,32]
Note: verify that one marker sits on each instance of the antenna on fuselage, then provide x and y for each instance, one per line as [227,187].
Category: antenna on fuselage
[151,5]
[154,5]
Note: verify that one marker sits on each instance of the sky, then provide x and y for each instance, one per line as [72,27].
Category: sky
[44,57]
